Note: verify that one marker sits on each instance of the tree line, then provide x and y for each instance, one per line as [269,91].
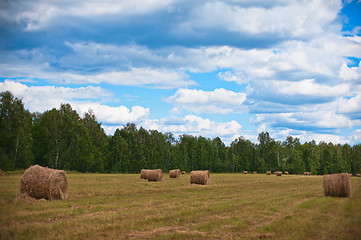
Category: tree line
[61,139]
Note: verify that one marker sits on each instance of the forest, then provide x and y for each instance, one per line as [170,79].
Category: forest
[61,139]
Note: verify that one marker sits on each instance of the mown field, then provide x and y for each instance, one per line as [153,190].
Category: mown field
[233,206]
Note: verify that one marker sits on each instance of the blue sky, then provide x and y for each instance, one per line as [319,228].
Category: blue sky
[213,68]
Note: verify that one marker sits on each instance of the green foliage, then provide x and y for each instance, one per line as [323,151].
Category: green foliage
[15,133]
[60,138]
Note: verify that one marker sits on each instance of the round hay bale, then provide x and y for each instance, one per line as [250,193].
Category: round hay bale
[358,175]
[287,173]
[144,173]
[245,172]
[155,175]
[337,185]
[200,177]
[268,172]
[41,182]
[183,172]
[279,173]
[1,172]
[174,173]
[254,172]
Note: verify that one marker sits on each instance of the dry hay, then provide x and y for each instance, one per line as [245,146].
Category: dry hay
[41,182]
[307,173]
[155,175]
[268,172]
[337,185]
[287,173]
[183,172]
[200,177]
[245,172]
[174,173]
[358,175]
[279,173]
[1,172]
[144,173]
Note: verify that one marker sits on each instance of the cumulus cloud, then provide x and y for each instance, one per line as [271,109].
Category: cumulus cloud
[37,15]
[219,101]
[195,125]
[43,98]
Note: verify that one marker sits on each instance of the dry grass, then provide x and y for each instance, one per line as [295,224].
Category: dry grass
[233,206]
[174,173]
[41,182]
[337,185]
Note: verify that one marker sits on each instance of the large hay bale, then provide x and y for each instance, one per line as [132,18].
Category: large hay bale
[144,173]
[183,172]
[268,172]
[358,175]
[307,173]
[155,175]
[245,172]
[279,173]
[200,177]
[175,173]
[41,182]
[287,173]
[1,172]
[337,185]
[254,172]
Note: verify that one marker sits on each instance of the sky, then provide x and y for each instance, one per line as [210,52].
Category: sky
[211,68]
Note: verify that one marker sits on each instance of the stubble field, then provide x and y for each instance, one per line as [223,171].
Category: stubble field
[233,206]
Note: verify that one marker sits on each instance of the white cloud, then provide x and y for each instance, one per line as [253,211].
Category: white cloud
[141,77]
[43,98]
[38,14]
[194,125]
[219,101]
[291,19]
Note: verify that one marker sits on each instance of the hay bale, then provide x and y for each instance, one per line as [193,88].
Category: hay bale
[1,172]
[200,177]
[183,172]
[268,172]
[174,173]
[41,182]
[337,185]
[155,175]
[287,173]
[279,173]
[254,172]
[307,173]
[244,172]
[358,175]
[144,173]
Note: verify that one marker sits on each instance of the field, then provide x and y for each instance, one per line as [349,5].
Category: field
[233,206]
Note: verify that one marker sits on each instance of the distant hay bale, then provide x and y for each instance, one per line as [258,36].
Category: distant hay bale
[200,177]
[287,173]
[337,185]
[254,172]
[279,173]
[174,173]
[1,172]
[268,172]
[245,172]
[41,182]
[144,173]
[358,175]
[155,175]
[183,172]
[307,173]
